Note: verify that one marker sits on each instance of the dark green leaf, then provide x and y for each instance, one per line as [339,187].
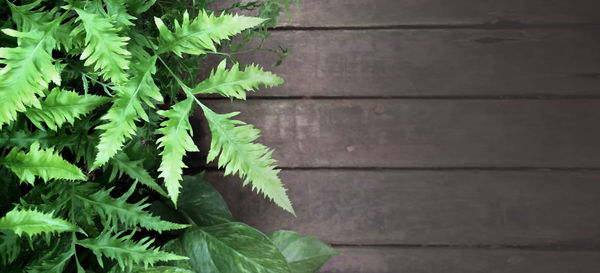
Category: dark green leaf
[232,247]
[202,203]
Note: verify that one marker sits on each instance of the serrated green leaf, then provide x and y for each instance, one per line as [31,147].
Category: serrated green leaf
[27,71]
[234,83]
[34,222]
[136,171]
[105,50]
[61,107]
[232,247]
[114,210]
[126,251]
[10,247]
[176,141]
[304,254]
[201,34]
[233,141]
[43,163]
[127,107]
[54,260]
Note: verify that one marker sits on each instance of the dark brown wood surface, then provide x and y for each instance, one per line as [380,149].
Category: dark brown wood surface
[450,260]
[398,207]
[440,62]
[399,133]
[351,13]
[433,136]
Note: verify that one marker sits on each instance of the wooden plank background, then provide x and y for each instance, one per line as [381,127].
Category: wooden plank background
[433,136]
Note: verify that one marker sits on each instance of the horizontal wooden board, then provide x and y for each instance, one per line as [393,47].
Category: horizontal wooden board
[401,133]
[360,13]
[430,260]
[429,207]
[457,62]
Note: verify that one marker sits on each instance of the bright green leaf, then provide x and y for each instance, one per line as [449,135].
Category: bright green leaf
[234,141]
[200,35]
[176,141]
[43,163]
[234,83]
[61,107]
[34,222]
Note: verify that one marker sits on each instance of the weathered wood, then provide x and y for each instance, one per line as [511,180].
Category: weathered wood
[457,62]
[421,133]
[429,260]
[345,13]
[429,207]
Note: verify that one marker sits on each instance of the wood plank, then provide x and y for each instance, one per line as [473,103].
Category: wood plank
[344,13]
[399,133]
[430,260]
[429,207]
[458,62]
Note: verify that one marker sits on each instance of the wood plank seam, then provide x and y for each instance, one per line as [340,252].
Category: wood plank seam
[504,25]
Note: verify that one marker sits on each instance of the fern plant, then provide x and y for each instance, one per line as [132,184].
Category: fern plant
[90,92]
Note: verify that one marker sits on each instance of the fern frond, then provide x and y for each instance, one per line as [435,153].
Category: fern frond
[28,70]
[63,106]
[136,171]
[10,247]
[118,13]
[201,34]
[176,141]
[34,222]
[54,260]
[126,251]
[239,154]
[114,210]
[28,18]
[43,163]
[127,108]
[105,49]
[24,138]
[139,6]
[234,83]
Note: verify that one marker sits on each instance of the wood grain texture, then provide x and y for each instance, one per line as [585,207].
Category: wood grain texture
[429,207]
[400,133]
[359,13]
[435,260]
[456,62]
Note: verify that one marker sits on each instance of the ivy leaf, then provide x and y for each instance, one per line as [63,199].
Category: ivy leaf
[126,251]
[202,203]
[200,35]
[234,83]
[232,247]
[176,141]
[63,106]
[304,254]
[34,222]
[239,154]
[127,108]
[105,49]
[43,163]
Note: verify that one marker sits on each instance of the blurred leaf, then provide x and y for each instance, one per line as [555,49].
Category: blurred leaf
[304,254]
